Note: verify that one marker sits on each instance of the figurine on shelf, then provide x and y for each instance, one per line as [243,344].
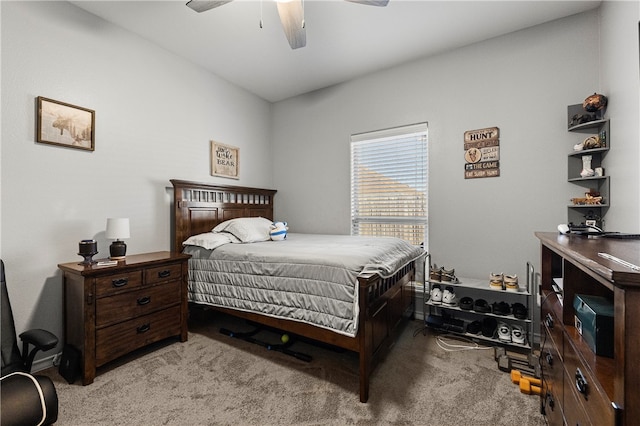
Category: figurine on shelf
[591,142]
[595,102]
[587,171]
[592,197]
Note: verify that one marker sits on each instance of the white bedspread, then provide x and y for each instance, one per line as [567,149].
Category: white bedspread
[307,277]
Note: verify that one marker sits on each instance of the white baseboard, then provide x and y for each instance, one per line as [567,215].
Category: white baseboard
[46,362]
[419,300]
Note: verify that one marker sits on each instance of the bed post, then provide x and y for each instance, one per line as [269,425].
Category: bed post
[383,303]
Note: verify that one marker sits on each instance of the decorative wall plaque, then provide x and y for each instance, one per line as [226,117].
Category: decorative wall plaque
[482,153]
[225,160]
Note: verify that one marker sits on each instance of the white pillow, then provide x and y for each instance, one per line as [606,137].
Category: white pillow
[209,240]
[247,229]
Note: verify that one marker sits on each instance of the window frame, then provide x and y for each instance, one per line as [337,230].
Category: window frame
[363,148]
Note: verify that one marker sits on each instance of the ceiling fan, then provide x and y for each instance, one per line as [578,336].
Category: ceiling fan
[291,15]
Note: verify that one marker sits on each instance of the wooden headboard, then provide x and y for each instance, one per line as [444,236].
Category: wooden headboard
[199,207]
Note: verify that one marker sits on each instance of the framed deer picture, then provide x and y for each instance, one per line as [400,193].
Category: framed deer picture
[63,124]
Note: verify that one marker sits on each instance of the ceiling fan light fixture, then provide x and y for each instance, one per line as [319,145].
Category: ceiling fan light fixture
[292,17]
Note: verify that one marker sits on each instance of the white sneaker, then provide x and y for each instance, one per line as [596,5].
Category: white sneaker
[436,294]
[518,334]
[449,297]
[504,332]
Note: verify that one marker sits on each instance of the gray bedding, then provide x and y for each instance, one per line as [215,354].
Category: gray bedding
[307,277]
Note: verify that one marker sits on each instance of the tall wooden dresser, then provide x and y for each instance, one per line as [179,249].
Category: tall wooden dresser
[112,310]
[580,387]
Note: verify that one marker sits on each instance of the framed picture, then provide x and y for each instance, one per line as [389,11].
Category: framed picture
[225,160]
[63,124]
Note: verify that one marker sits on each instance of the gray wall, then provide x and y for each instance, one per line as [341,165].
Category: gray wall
[521,83]
[155,115]
[619,79]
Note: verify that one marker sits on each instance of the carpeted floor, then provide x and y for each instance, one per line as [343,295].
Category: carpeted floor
[216,380]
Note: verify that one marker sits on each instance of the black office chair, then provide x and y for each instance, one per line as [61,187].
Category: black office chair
[26,399]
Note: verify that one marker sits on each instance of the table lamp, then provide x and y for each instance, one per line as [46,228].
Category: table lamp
[117,229]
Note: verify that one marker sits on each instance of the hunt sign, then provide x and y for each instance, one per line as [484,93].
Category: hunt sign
[482,153]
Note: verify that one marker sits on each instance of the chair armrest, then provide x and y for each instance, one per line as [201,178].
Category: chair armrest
[42,339]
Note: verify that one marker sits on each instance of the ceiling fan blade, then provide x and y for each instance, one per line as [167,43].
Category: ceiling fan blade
[204,5]
[292,18]
[381,3]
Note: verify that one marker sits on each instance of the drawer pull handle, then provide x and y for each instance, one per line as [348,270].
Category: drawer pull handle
[143,328]
[549,358]
[164,274]
[119,282]
[581,383]
[549,321]
[550,401]
[144,300]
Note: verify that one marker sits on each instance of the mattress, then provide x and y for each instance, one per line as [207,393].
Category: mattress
[307,277]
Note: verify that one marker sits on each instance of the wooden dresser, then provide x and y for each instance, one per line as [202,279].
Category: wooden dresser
[580,387]
[112,310]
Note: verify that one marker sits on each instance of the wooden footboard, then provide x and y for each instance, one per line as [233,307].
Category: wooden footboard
[383,303]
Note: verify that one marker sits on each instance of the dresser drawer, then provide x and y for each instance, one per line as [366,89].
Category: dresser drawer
[553,379]
[551,322]
[574,412]
[116,282]
[122,338]
[124,306]
[162,273]
[590,397]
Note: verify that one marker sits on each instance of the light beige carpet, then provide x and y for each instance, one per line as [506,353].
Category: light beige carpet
[216,380]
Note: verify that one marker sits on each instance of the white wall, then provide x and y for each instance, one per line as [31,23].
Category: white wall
[521,83]
[155,115]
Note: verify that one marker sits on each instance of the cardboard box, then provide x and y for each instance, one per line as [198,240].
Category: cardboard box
[594,321]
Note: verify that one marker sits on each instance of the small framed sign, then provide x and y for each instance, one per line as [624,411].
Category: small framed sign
[225,160]
[482,153]
[63,124]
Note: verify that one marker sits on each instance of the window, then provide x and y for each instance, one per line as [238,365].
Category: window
[389,183]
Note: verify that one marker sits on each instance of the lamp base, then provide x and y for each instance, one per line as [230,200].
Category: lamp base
[88,258]
[117,250]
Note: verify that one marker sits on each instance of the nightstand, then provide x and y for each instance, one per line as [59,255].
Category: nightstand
[110,311]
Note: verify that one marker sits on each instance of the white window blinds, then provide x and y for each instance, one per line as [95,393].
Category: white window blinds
[389,183]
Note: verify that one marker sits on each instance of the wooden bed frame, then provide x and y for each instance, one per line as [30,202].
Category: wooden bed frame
[198,207]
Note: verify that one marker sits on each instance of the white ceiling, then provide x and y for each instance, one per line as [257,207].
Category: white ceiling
[344,40]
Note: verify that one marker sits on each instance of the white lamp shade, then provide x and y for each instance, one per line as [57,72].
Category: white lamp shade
[117,228]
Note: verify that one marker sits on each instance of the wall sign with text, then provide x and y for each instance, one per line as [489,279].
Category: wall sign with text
[482,153]
[224,160]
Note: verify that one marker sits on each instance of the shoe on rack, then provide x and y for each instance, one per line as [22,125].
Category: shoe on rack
[466,303]
[504,332]
[496,281]
[449,297]
[435,273]
[436,294]
[482,306]
[489,325]
[518,334]
[474,327]
[511,283]
[501,308]
[448,275]
[519,311]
